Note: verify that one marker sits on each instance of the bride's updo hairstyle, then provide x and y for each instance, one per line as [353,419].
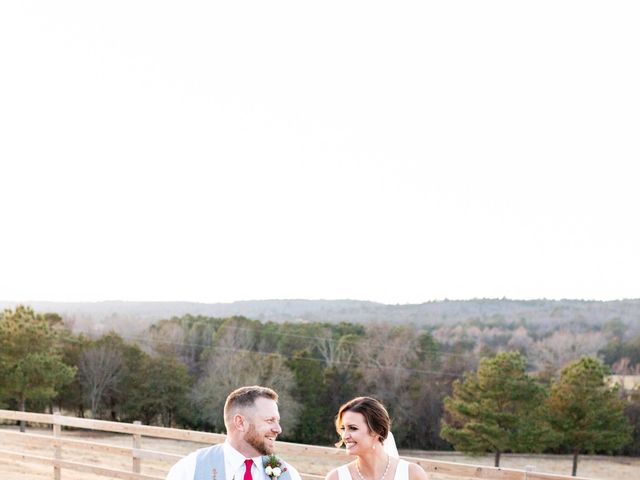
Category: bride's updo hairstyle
[374,413]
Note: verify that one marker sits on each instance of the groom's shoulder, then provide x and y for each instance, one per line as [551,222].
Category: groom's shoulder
[199,453]
[205,450]
[289,466]
[291,470]
[184,469]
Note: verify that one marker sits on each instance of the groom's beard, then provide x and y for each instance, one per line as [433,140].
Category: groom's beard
[256,441]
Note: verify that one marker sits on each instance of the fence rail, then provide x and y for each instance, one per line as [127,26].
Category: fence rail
[138,454]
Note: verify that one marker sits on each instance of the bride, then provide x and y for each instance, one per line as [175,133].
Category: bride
[364,428]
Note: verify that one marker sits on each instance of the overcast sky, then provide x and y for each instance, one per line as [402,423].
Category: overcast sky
[388,151]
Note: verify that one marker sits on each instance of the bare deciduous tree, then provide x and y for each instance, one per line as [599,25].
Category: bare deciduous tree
[336,352]
[169,339]
[230,366]
[236,335]
[100,368]
[387,357]
[520,341]
[562,347]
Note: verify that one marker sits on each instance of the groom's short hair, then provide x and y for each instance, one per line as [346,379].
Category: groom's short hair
[245,397]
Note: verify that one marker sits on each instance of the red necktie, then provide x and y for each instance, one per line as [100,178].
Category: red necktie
[247,472]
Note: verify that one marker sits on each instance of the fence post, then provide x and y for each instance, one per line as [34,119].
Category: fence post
[137,444]
[57,449]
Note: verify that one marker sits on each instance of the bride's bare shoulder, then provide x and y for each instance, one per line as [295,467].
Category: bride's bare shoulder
[416,472]
[333,474]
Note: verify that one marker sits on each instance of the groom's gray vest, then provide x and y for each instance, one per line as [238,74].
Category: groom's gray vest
[210,465]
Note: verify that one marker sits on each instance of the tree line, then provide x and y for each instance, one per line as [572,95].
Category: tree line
[178,372]
[501,408]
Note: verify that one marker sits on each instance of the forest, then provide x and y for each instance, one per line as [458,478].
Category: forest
[177,372]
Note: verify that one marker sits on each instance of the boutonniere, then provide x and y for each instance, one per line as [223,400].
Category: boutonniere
[273,467]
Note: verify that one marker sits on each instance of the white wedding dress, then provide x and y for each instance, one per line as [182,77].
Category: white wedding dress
[402,471]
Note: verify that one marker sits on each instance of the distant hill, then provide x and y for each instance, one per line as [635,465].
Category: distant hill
[98,317]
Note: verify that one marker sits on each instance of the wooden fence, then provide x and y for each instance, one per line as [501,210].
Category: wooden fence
[137,454]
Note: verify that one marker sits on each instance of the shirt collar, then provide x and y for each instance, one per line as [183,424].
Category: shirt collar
[235,459]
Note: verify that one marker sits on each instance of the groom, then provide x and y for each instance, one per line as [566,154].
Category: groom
[252,421]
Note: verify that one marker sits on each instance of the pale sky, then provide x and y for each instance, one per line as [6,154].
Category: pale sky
[397,152]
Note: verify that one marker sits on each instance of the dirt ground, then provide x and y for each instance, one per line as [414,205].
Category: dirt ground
[597,467]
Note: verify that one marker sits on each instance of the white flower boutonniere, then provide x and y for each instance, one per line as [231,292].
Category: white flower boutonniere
[273,467]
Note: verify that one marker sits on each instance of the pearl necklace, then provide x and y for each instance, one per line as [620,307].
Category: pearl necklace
[383,475]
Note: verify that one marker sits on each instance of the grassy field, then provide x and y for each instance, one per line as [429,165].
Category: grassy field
[599,467]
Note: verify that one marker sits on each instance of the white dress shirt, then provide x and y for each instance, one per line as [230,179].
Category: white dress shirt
[234,465]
